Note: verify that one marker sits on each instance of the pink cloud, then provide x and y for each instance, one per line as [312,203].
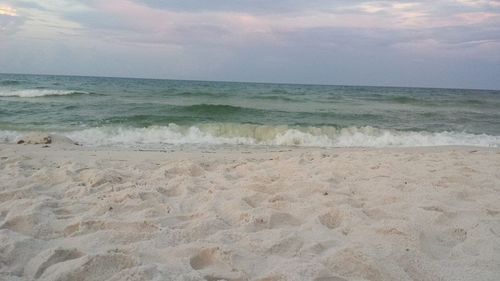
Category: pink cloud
[7,11]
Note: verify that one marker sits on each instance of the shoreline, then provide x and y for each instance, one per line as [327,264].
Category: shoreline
[248,213]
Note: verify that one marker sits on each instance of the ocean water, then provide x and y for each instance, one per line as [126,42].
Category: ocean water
[156,113]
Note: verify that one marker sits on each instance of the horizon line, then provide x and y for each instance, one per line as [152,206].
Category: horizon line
[254,82]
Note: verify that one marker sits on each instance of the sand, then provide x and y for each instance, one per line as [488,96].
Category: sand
[73,213]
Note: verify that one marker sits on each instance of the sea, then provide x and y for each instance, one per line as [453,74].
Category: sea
[149,113]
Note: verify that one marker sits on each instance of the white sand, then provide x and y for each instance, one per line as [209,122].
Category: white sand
[68,213]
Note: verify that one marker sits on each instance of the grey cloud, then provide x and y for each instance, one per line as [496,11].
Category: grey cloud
[464,34]
[316,52]
[98,20]
[196,32]
[10,24]
[255,6]
[98,24]
[26,4]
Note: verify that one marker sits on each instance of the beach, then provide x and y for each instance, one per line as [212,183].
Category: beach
[69,212]
[249,140]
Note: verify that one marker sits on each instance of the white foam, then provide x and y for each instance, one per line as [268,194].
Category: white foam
[9,136]
[276,135]
[33,93]
[246,134]
[171,134]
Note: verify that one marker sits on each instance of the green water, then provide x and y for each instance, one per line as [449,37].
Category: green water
[136,112]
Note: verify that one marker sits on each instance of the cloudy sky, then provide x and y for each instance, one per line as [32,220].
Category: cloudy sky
[450,43]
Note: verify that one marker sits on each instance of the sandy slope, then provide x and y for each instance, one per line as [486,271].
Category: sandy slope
[69,213]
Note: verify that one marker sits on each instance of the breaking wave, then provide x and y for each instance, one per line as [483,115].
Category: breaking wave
[248,134]
[9,136]
[35,93]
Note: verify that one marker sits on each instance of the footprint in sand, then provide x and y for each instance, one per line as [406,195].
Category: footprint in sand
[171,191]
[289,246]
[203,259]
[47,258]
[213,263]
[184,169]
[439,244]
[276,220]
[96,178]
[355,265]
[255,200]
[96,267]
[331,219]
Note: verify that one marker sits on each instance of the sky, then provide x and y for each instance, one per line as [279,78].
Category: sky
[449,43]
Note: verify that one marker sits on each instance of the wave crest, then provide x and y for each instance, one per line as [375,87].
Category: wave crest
[248,134]
[35,93]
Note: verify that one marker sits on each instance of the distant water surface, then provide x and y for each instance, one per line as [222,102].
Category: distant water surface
[154,113]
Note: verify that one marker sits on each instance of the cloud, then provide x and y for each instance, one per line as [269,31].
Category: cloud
[479,3]
[129,21]
[192,22]
[8,11]
[212,38]
[10,21]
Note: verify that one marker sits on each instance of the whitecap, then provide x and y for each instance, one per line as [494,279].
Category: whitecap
[34,93]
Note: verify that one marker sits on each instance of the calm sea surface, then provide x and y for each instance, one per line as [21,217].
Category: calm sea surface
[143,112]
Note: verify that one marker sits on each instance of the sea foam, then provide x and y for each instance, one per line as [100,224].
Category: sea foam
[247,134]
[7,136]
